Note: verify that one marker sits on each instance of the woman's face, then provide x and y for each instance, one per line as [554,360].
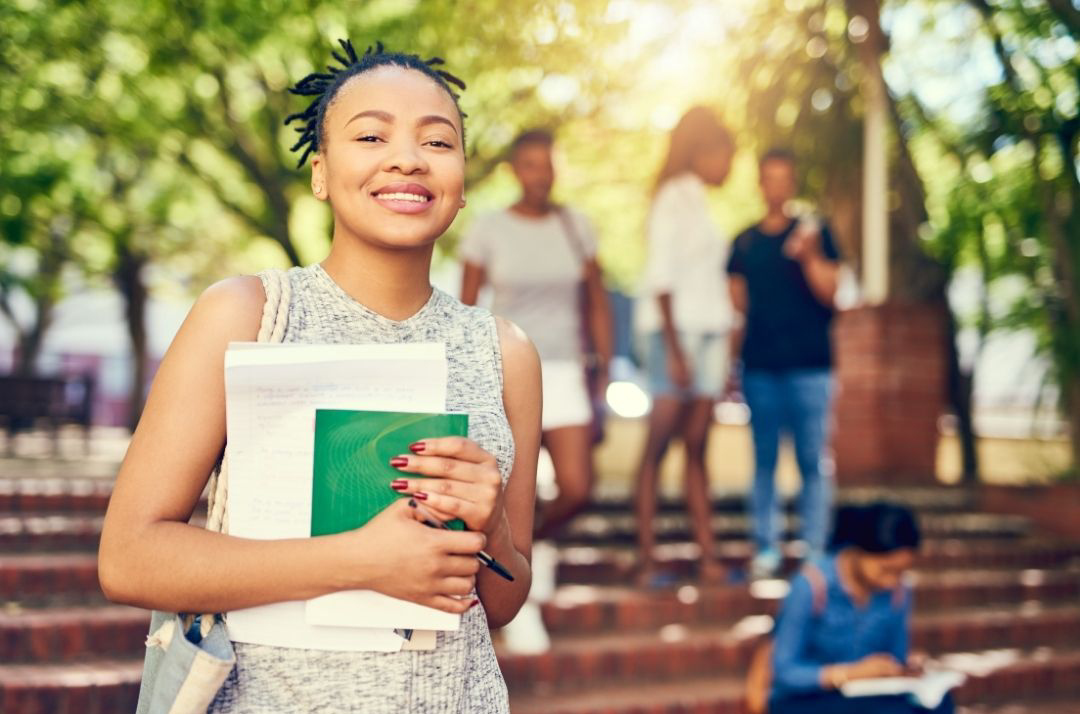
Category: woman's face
[535,171]
[713,165]
[392,163]
[884,571]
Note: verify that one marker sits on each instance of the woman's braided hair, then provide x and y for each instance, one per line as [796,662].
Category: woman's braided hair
[324,86]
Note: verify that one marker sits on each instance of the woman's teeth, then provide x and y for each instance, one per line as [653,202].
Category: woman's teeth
[403,197]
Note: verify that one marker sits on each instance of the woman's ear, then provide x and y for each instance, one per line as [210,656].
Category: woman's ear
[318,178]
[462,203]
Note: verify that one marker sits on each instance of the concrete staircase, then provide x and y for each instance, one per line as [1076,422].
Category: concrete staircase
[993,596]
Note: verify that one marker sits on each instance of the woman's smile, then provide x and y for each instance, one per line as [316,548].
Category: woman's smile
[406,198]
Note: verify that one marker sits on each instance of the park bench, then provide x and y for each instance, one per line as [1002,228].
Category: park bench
[26,402]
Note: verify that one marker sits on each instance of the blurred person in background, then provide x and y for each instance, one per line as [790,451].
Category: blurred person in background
[782,274]
[683,317]
[540,259]
[848,617]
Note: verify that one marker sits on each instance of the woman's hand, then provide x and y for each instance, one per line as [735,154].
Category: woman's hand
[401,557]
[875,665]
[679,369]
[464,482]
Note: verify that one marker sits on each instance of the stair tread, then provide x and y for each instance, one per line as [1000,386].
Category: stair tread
[623,696]
[751,627]
[99,672]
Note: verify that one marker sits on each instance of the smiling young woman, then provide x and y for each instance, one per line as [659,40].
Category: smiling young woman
[386,138]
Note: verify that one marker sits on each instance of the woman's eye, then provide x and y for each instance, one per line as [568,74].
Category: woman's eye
[370,138]
[439,143]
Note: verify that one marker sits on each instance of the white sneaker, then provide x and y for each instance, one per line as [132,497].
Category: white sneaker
[545,563]
[765,564]
[526,634]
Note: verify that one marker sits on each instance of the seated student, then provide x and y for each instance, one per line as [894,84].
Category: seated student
[848,617]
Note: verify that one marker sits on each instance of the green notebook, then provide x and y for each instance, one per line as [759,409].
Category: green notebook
[352,471]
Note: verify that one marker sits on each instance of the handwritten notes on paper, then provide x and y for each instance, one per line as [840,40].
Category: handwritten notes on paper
[272,392]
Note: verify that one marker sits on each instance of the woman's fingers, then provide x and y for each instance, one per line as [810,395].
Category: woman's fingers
[447,508]
[459,566]
[449,604]
[454,447]
[457,586]
[445,468]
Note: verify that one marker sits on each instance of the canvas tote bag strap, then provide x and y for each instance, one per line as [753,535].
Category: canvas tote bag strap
[271,329]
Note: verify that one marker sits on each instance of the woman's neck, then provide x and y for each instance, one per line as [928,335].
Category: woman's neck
[849,578]
[393,283]
[532,210]
[775,221]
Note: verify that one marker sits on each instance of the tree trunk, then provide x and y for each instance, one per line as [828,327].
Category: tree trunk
[30,341]
[961,388]
[128,280]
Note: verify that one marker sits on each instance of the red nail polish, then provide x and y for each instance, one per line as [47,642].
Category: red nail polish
[420,496]
[418,447]
[473,604]
[399,484]
[398,461]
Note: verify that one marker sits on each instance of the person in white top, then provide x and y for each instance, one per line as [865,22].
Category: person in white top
[683,317]
[540,258]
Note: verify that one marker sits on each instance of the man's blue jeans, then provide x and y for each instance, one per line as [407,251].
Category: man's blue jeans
[796,402]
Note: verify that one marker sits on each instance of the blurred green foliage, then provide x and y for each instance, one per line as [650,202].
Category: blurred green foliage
[142,144]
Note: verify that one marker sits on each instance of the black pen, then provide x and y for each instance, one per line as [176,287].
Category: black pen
[433,522]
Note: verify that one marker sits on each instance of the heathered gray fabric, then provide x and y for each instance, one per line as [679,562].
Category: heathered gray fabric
[461,674]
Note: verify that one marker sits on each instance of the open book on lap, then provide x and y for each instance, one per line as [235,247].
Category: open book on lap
[928,691]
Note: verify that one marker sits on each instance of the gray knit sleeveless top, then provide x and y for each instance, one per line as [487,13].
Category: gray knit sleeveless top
[461,675]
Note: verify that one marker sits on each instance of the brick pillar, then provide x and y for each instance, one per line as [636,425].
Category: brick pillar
[891,389]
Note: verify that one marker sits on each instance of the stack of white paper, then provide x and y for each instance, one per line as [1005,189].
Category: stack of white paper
[927,691]
[272,392]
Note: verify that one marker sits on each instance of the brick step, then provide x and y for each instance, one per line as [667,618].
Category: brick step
[612,564]
[49,578]
[1031,677]
[72,633]
[92,494]
[941,499]
[581,609]
[676,650]
[37,578]
[621,527]
[55,494]
[100,687]
[47,531]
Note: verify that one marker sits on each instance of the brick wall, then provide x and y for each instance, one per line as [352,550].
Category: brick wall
[891,388]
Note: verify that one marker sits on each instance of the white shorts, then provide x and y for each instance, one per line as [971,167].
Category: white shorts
[566,397]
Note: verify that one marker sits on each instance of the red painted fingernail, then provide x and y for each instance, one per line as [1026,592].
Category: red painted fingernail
[473,604]
[418,447]
[420,496]
[399,484]
[398,461]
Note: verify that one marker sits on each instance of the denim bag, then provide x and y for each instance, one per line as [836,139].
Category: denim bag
[188,657]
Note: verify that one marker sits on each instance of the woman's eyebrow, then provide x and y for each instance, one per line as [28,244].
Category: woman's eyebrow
[436,119]
[388,118]
[382,116]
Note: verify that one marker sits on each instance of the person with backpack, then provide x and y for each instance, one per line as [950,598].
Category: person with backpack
[848,617]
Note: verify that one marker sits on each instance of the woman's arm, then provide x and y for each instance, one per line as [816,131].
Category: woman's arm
[792,672]
[463,480]
[678,367]
[152,558]
[601,327]
[511,542]
[471,282]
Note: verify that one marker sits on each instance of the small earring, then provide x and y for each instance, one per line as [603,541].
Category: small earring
[318,190]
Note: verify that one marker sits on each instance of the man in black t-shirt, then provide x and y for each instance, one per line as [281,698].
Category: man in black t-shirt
[782,276]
